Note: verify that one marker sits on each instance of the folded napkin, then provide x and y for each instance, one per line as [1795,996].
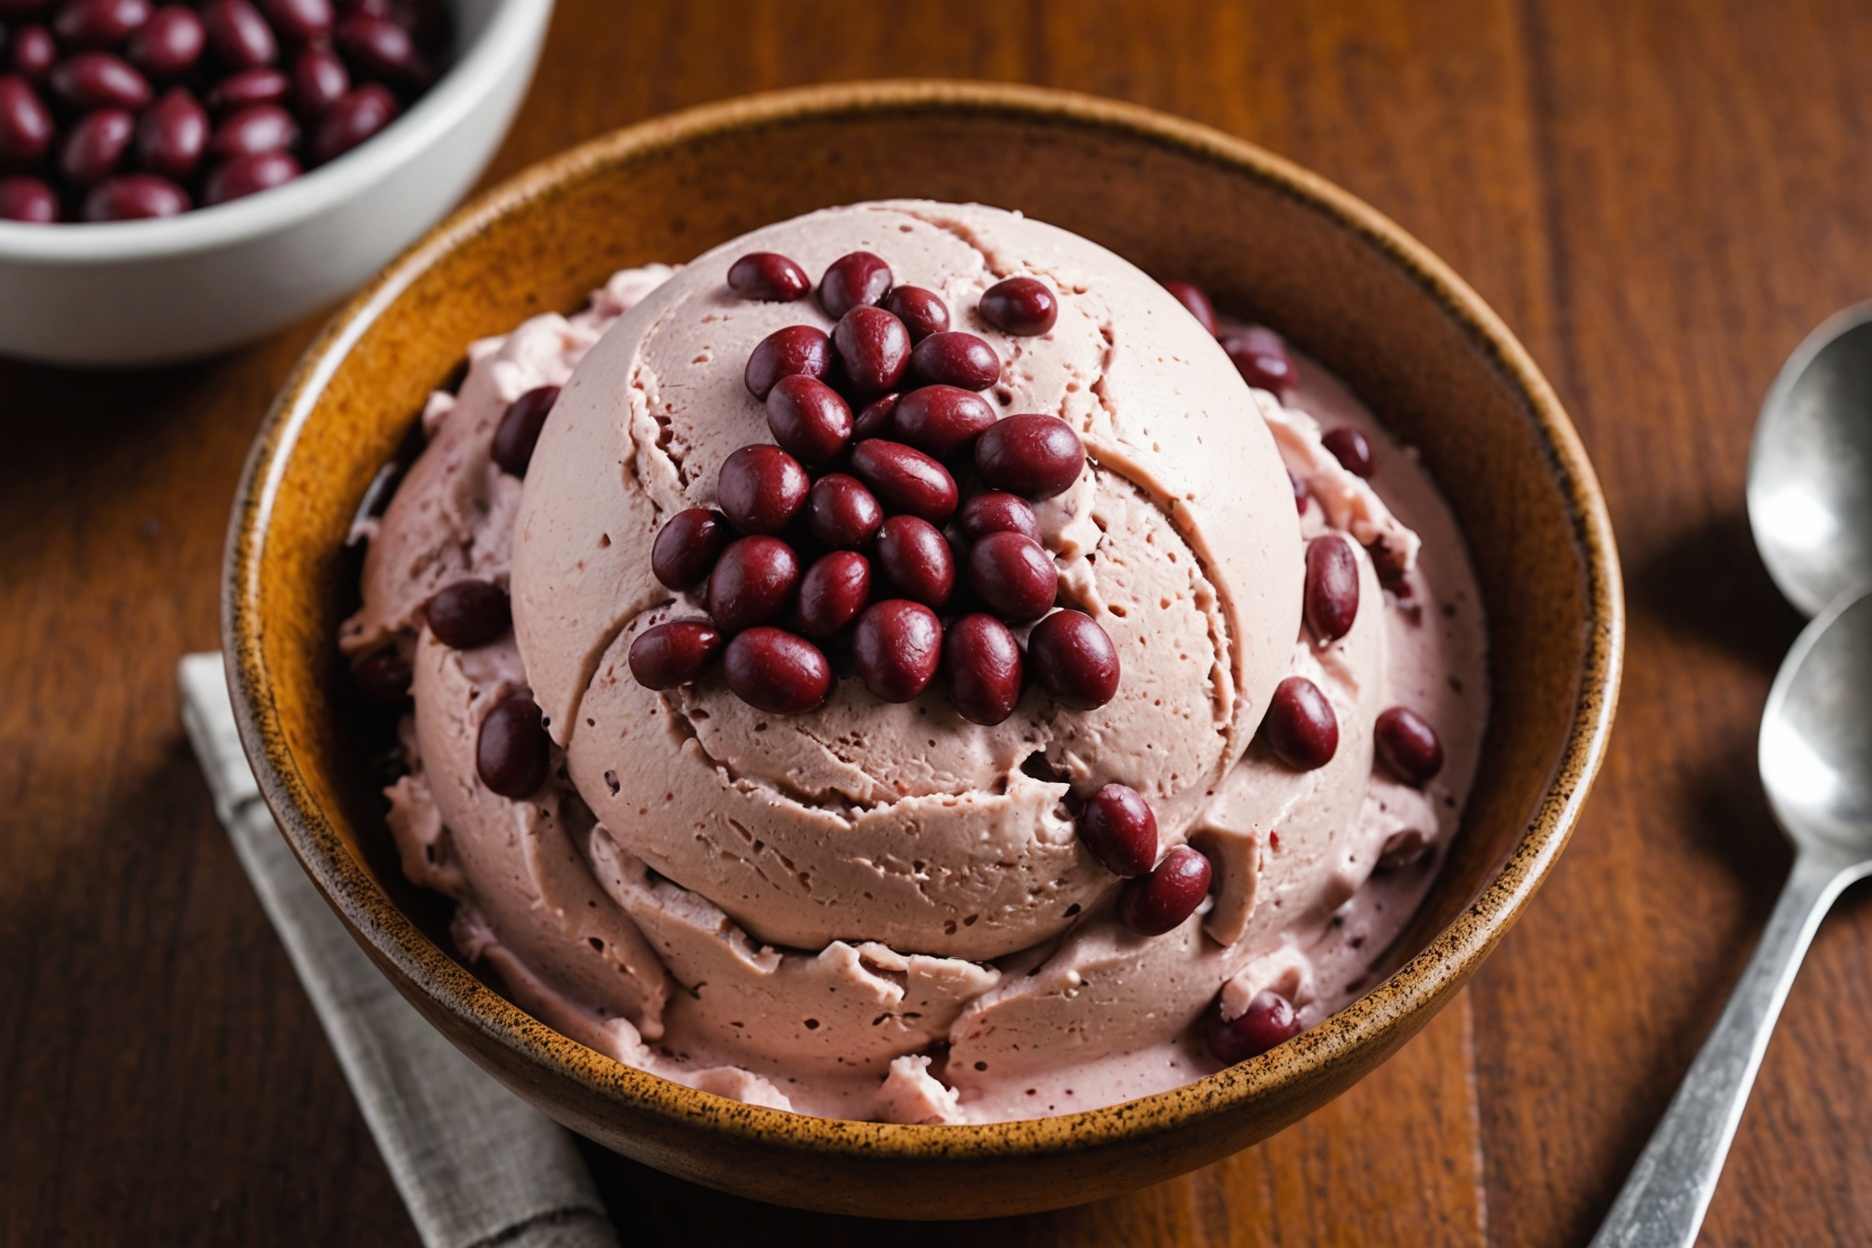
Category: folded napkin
[476,1165]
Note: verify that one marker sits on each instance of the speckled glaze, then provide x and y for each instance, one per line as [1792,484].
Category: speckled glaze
[1264,237]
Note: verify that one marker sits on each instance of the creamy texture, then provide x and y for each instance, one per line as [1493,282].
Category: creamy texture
[880,910]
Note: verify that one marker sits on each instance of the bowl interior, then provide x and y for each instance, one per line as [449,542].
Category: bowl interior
[1268,241]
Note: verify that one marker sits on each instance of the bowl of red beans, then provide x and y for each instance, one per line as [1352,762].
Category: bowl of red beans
[181,176]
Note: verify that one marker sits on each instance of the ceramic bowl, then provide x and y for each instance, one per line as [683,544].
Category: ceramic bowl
[148,292]
[1268,239]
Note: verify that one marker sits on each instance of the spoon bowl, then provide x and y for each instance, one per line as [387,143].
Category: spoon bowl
[1816,735]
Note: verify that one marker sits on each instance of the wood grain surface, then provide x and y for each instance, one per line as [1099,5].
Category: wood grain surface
[1660,198]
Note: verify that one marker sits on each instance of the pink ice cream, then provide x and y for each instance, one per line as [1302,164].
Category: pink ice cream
[878,910]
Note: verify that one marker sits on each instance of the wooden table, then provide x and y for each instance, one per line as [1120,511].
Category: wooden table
[1659,198]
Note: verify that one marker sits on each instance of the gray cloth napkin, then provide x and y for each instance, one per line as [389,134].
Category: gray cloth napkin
[476,1165]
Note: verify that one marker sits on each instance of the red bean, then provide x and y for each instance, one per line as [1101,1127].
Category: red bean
[1119,828]
[905,479]
[842,513]
[519,429]
[1022,306]
[1033,455]
[238,34]
[796,349]
[687,547]
[1408,745]
[922,311]
[873,348]
[100,80]
[857,279]
[383,676]
[809,419]
[674,653]
[99,23]
[751,582]
[1261,357]
[1300,726]
[1268,1021]
[1402,849]
[942,420]
[96,146]
[874,418]
[761,488]
[1196,300]
[915,557]
[898,646]
[357,116]
[249,175]
[170,43]
[31,53]
[996,511]
[133,197]
[469,614]
[173,134]
[832,593]
[778,672]
[301,21]
[260,85]
[955,358]
[1014,576]
[261,128]
[27,200]
[768,277]
[26,128]
[319,80]
[1351,448]
[1159,902]
[1332,587]
[1074,659]
[511,750]
[382,49]
[983,662]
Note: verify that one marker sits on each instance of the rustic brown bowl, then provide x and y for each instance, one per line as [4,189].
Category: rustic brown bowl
[1346,284]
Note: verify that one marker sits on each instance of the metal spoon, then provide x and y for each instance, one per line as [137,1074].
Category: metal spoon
[1810,506]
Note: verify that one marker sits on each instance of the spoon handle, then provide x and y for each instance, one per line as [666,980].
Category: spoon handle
[1670,1188]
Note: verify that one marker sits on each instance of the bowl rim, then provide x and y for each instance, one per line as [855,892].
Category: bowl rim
[1383,1017]
[463,86]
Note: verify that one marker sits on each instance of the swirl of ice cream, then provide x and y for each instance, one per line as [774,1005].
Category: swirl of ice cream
[881,909]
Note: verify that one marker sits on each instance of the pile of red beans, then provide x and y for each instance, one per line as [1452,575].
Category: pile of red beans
[116,110]
[829,543]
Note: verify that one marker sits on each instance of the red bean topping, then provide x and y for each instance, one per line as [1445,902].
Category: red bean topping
[778,672]
[31,53]
[942,420]
[832,593]
[381,48]
[922,311]
[96,146]
[905,479]
[100,80]
[1119,828]
[761,488]
[173,134]
[955,358]
[519,429]
[1014,576]
[983,662]
[319,80]
[1159,902]
[1332,587]
[769,277]
[299,20]
[1196,300]
[1351,448]
[1408,745]
[797,349]
[874,419]
[99,23]
[1022,306]
[842,513]
[915,557]
[170,43]
[249,175]
[1074,659]
[809,419]
[1300,726]
[674,653]
[134,197]
[383,676]
[857,279]
[1269,1020]
[751,582]
[512,751]
[468,614]
[897,646]
[27,200]
[687,547]
[26,129]
[260,85]
[1033,455]
[261,128]
[996,511]
[238,34]
[874,348]
[1402,849]
[358,115]
[1260,356]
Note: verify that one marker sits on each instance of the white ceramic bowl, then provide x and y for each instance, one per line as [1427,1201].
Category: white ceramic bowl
[145,292]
